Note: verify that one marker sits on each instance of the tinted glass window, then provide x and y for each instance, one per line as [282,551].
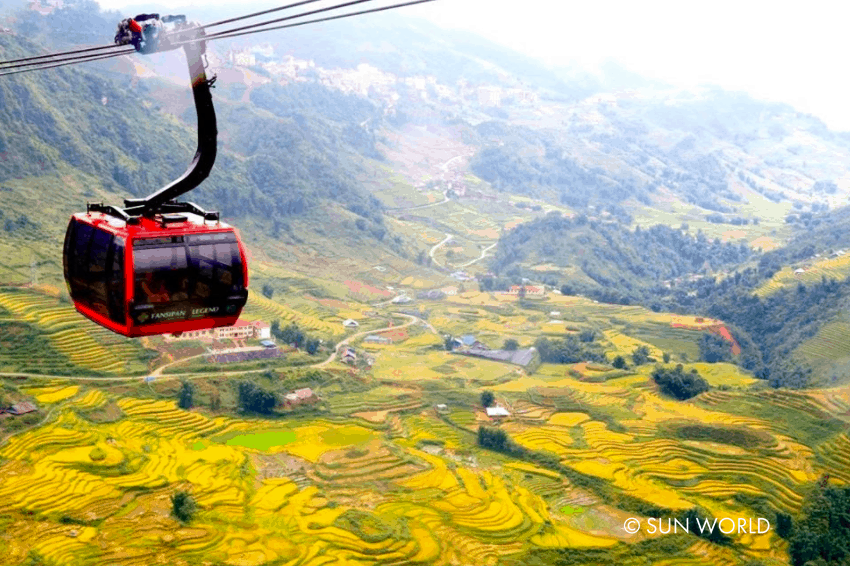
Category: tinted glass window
[115,296]
[78,262]
[98,269]
[218,269]
[161,274]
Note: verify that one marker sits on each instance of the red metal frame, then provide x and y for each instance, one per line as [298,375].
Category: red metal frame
[152,228]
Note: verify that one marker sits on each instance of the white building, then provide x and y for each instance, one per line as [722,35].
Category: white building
[242,329]
[350,323]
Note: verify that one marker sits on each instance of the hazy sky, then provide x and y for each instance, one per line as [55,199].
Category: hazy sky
[782,51]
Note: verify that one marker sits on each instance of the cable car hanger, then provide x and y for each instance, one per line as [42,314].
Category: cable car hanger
[146,34]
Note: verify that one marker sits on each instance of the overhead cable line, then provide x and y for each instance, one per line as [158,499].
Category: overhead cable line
[52,55]
[226,34]
[62,59]
[287,18]
[255,14]
[74,61]
[123,50]
[38,60]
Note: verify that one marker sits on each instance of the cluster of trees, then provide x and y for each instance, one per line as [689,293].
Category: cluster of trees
[617,260]
[822,536]
[678,383]
[713,349]
[292,334]
[252,398]
[568,350]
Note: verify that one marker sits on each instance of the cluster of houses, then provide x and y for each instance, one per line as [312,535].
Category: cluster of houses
[18,409]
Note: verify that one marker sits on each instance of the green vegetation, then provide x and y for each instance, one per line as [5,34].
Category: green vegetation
[185,398]
[255,399]
[487,399]
[263,440]
[183,506]
[822,536]
[679,384]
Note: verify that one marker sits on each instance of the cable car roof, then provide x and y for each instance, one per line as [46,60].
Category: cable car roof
[151,227]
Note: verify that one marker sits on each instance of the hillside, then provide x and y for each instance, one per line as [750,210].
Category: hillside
[681,350]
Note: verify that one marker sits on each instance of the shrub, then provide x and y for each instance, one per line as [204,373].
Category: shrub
[183,506]
[678,384]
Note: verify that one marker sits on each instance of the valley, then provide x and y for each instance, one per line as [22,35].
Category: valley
[495,310]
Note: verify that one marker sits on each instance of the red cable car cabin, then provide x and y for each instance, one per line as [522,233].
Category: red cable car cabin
[160,266]
[168,274]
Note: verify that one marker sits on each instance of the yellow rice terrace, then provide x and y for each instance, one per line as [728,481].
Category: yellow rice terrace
[95,483]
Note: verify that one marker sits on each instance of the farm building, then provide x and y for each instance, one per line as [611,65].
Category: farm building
[350,323]
[377,339]
[442,408]
[799,271]
[530,290]
[22,408]
[497,413]
[349,356]
[305,396]
[469,341]
[401,300]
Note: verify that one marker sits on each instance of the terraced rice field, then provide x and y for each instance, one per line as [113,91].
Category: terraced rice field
[383,477]
[57,338]
[837,268]
[261,308]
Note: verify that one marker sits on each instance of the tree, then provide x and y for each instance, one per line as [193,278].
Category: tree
[640,355]
[521,293]
[619,362]
[487,398]
[312,346]
[784,525]
[185,399]
[587,335]
[822,536]
[268,291]
[676,383]
[666,357]
[713,348]
[448,344]
[183,506]
[510,344]
[255,399]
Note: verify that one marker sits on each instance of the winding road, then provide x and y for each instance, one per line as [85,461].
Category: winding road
[444,241]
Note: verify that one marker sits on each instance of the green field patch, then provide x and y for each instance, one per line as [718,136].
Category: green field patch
[371,528]
[740,437]
[344,436]
[262,440]
[571,510]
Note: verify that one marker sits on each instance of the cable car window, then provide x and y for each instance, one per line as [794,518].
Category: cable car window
[116,282]
[217,268]
[98,257]
[78,264]
[161,272]
[66,250]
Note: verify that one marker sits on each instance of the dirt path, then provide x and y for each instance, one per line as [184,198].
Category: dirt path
[479,258]
[438,246]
